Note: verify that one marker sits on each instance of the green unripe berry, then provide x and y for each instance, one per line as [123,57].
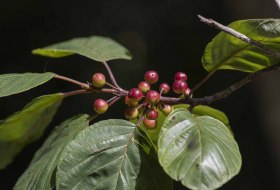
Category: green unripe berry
[98,80]
[130,102]
[131,113]
[144,86]
[100,106]
[166,109]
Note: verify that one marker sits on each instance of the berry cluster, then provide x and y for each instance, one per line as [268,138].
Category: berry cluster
[143,100]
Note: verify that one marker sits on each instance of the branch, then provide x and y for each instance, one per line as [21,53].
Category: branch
[221,94]
[214,24]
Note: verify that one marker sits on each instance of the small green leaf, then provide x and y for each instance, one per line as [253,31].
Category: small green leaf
[228,52]
[207,110]
[199,151]
[110,155]
[16,83]
[30,123]
[41,172]
[94,47]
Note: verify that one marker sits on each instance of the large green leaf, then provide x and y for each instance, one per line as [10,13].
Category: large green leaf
[41,172]
[199,151]
[8,150]
[28,124]
[228,52]
[16,83]
[109,155]
[198,110]
[94,47]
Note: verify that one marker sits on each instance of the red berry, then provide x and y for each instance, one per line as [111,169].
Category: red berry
[144,86]
[100,106]
[98,80]
[151,77]
[179,86]
[152,114]
[164,88]
[130,102]
[150,123]
[152,97]
[180,76]
[131,113]
[135,94]
[166,109]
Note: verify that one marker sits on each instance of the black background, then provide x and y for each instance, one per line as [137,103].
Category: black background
[162,35]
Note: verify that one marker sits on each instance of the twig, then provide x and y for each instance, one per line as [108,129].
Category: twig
[81,84]
[112,77]
[221,94]
[213,23]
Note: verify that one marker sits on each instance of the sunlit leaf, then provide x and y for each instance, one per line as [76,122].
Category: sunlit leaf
[41,172]
[16,83]
[200,152]
[94,47]
[228,52]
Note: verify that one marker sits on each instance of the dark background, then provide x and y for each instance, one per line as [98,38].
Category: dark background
[162,35]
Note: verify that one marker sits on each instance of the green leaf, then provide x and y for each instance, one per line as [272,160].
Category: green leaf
[199,151]
[94,47]
[109,155]
[41,172]
[29,124]
[16,83]
[8,150]
[228,52]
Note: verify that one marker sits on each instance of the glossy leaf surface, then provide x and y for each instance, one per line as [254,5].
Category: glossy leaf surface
[16,83]
[94,47]
[228,52]
[199,151]
[110,154]
[41,172]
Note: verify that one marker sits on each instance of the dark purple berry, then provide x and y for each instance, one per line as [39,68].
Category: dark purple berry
[151,77]
[164,88]
[152,114]
[179,86]
[135,94]
[180,76]
[152,97]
